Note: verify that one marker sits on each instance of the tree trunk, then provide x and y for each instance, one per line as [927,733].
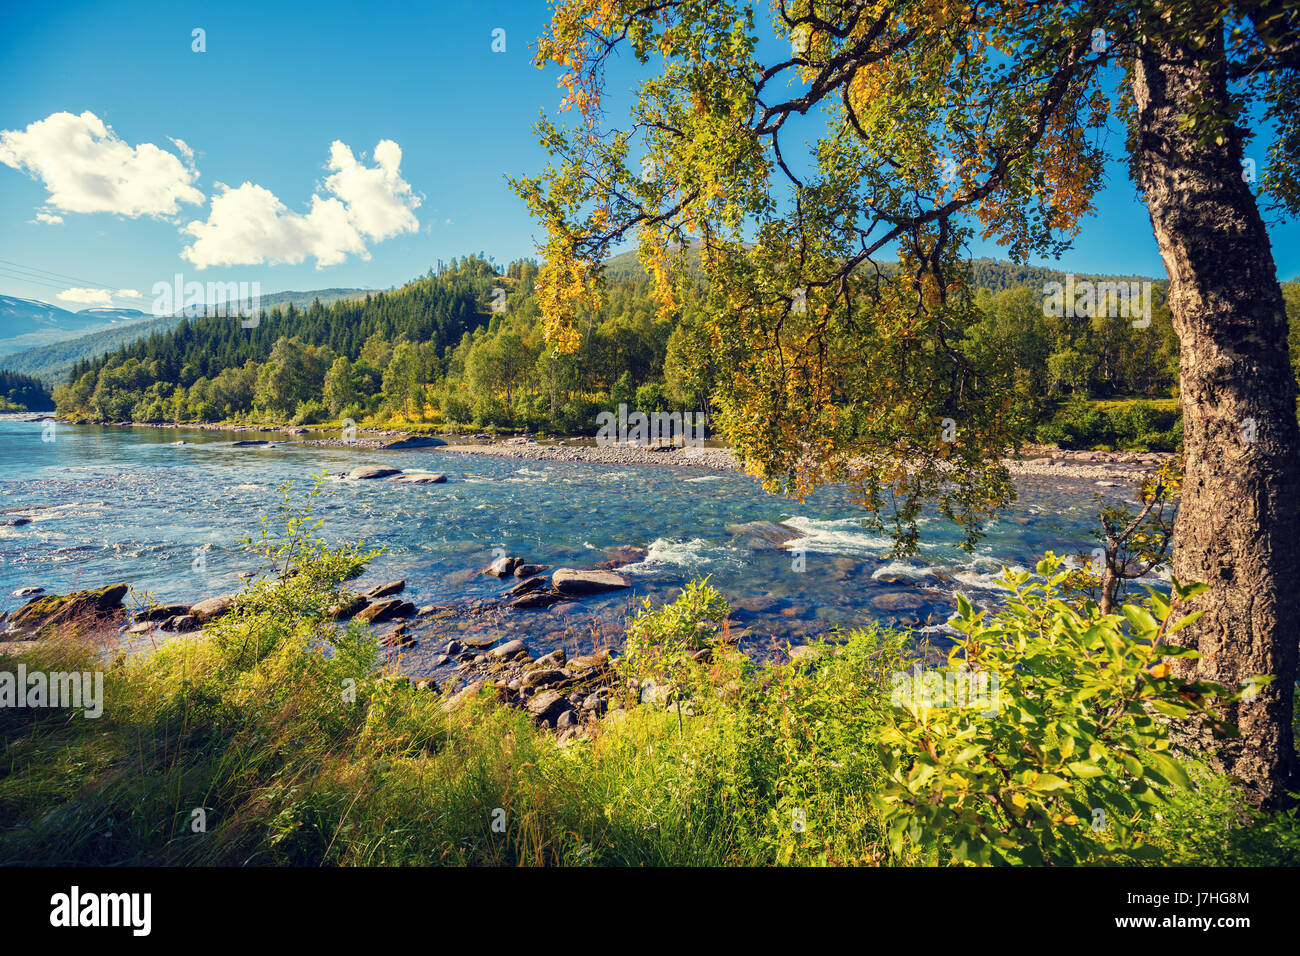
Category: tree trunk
[1238,525]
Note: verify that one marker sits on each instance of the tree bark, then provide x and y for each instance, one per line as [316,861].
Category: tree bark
[1238,524]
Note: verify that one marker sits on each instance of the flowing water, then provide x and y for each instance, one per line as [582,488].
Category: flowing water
[115,504]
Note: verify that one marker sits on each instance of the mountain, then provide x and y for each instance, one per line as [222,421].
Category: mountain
[113,315]
[25,323]
[52,361]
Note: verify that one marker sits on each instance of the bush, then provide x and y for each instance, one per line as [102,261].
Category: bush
[1077,424]
[310,413]
[1064,754]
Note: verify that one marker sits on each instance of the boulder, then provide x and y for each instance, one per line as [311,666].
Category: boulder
[763,535]
[528,570]
[543,677]
[418,441]
[569,581]
[384,590]
[386,611]
[82,607]
[529,584]
[348,606]
[160,612]
[508,650]
[212,608]
[547,706]
[458,699]
[539,598]
[503,567]
[587,662]
[372,471]
[180,623]
[421,478]
[29,592]
[249,442]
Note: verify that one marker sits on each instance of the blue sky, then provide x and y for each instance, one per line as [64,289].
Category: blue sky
[277,86]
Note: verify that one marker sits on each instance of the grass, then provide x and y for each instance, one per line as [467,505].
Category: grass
[279,740]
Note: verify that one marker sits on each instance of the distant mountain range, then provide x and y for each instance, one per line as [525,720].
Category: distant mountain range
[45,341]
[26,322]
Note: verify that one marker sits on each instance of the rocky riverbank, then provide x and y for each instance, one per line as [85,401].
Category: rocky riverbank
[1034,460]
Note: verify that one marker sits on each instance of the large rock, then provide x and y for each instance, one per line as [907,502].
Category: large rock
[529,570]
[419,441]
[160,612]
[528,584]
[372,471]
[547,706]
[569,581]
[348,606]
[420,478]
[81,608]
[508,650]
[212,608]
[763,535]
[386,610]
[387,589]
[503,567]
[541,598]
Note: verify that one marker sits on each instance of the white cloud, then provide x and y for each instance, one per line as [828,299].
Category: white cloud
[128,294]
[249,225]
[50,218]
[86,168]
[87,296]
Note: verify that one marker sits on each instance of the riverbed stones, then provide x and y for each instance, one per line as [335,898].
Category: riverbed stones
[897,601]
[571,581]
[29,592]
[620,555]
[529,570]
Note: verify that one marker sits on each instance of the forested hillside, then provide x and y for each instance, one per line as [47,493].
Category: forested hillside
[21,393]
[436,351]
[52,363]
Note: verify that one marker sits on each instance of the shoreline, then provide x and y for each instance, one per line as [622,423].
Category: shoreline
[1034,460]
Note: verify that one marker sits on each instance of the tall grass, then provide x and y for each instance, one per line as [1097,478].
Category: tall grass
[279,740]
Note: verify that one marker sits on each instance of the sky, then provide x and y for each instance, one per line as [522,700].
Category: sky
[307,146]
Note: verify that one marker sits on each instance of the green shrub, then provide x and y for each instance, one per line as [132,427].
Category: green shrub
[1069,733]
